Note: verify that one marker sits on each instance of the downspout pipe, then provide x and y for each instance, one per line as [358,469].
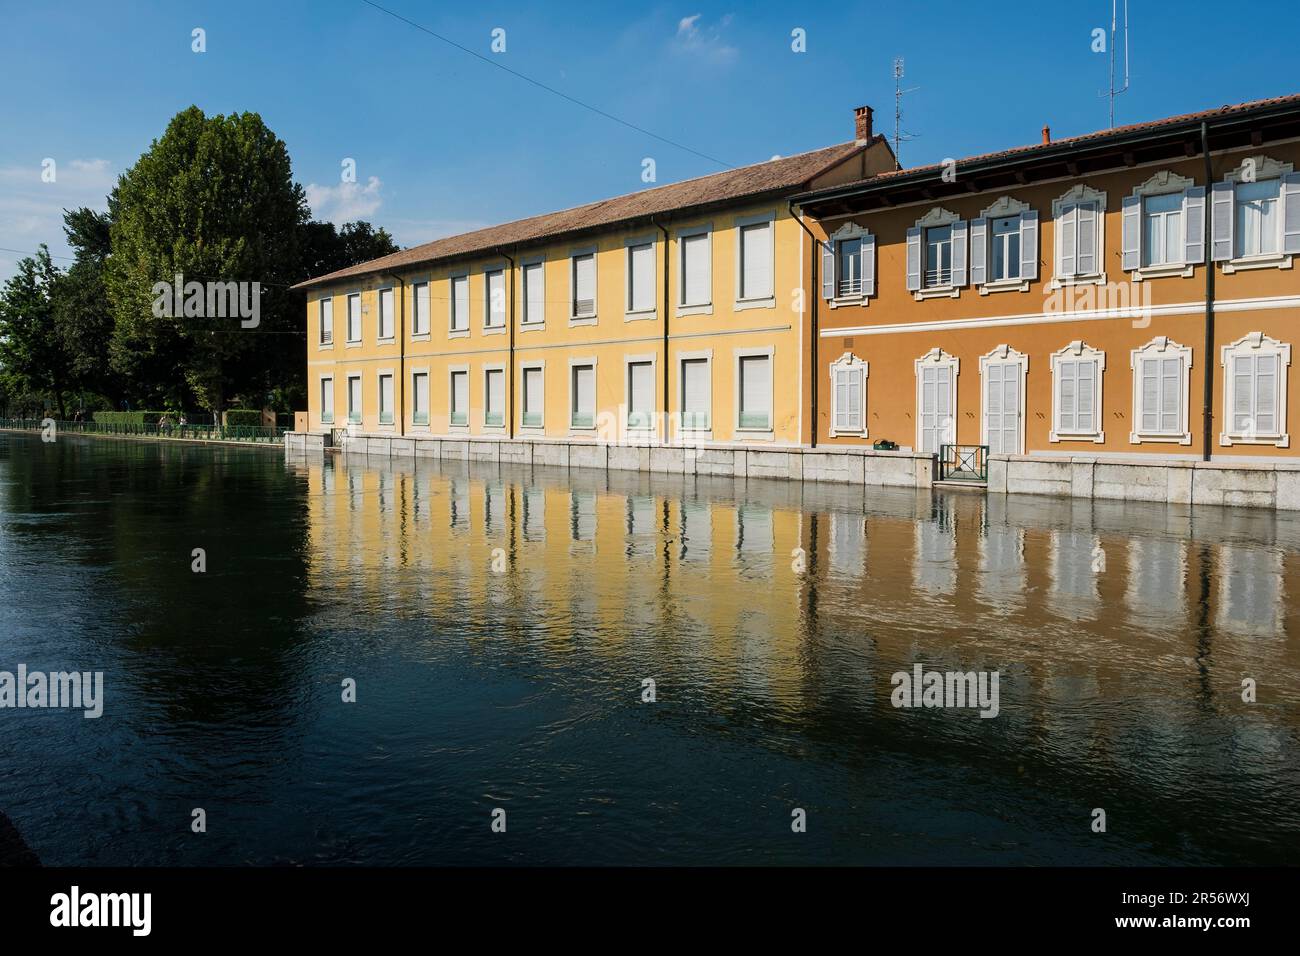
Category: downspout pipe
[1208,422]
[401,356]
[816,294]
[663,438]
[510,362]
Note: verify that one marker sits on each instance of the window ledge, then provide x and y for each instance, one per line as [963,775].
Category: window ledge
[683,310]
[419,336]
[758,434]
[1178,270]
[640,316]
[1094,437]
[532,429]
[694,434]
[388,340]
[1278,441]
[325,347]
[493,429]
[352,345]
[937,292]
[532,326]
[581,320]
[767,302]
[1005,285]
[848,433]
[458,334]
[840,301]
[1061,282]
[1137,438]
[1274,260]
[453,427]
[494,330]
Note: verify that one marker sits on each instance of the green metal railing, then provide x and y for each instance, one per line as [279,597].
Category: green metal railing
[255,434]
[963,462]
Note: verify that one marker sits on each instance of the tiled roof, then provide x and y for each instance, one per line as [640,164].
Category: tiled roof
[786,173]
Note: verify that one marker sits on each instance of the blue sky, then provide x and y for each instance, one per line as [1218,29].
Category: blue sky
[445,142]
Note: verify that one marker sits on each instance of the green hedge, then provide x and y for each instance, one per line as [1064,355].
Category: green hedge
[128,418]
[243,416]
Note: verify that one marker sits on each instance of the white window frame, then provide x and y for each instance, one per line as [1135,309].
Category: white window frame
[595,401]
[697,308]
[417,425]
[934,358]
[320,390]
[629,313]
[321,341]
[574,256]
[1002,355]
[1256,169]
[850,363]
[524,266]
[452,371]
[1078,351]
[360,420]
[1164,347]
[452,278]
[752,432]
[349,341]
[695,434]
[1078,195]
[538,365]
[850,230]
[767,301]
[415,284]
[653,361]
[488,370]
[1255,344]
[380,375]
[1162,184]
[488,272]
[380,337]
[938,217]
[1005,207]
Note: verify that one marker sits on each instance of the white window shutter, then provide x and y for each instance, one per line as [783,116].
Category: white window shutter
[1194,220]
[828,270]
[1086,251]
[868,270]
[1066,231]
[979,250]
[1291,213]
[913,259]
[1029,245]
[1221,215]
[959,252]
[1132,232]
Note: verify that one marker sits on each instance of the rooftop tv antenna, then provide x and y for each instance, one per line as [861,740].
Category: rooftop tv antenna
[1113,92]
[899,135]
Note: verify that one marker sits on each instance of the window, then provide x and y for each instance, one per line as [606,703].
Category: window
[494,405]
[697,394]
[1164,223]
[1076,393]
[1256,215]
[848,261]
[533,396]
[385,314]
[1080,234]
[1004,247]
[641,277]
[584,285]
[494,309]
[354,399]
[420,308]
[848,396]
[938,256]
[1003,372]
[582,392]
[696,283]
[386,399]
[534,293]
[354,317]
[327,401]
[1257,218]
[849,265]
[1004,238]
[459,303]
[459,397]
[1255,391]
[640,395]
[326,321]
[420,398]
[1161,375]
[755,262]
[754,389]
[936,400]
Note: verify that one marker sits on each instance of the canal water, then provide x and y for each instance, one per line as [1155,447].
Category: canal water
[500,626]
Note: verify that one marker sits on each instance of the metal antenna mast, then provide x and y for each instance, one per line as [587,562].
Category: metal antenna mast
[899,135]
[1112,92]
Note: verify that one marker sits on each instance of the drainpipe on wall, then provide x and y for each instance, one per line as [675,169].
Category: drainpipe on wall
[510,362]
[401,357]
[816,294]
[1208,423]
[664,437]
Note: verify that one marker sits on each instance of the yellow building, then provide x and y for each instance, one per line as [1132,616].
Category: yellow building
[670,316]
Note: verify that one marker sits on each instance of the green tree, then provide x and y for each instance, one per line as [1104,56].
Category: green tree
[82,316]
[31,352]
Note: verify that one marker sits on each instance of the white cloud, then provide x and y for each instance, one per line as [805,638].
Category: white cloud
[705,42]
[345,202]
[31,209]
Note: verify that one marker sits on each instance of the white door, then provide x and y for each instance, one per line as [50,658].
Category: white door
[1002,408]
[936,407]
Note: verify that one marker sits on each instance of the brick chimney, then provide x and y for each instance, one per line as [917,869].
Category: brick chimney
[862,124]
[1047,133]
